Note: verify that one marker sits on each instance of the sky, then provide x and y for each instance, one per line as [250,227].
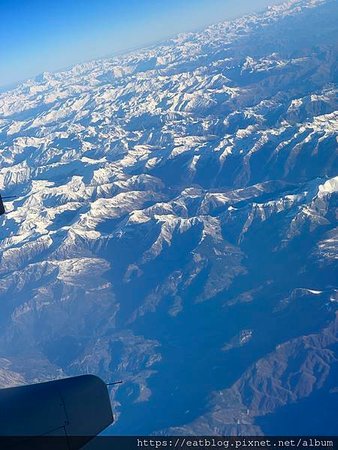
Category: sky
[49,35]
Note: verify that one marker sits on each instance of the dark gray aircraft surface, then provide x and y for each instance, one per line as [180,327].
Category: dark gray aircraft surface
[66,413]
[63,414]
[2,208]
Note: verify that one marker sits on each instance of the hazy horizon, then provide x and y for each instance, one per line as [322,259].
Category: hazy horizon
[48,37]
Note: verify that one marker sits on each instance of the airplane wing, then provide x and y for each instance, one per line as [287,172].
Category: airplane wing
[70,412]
[2,208]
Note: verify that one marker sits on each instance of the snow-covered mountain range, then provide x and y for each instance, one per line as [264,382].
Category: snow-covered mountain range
[175,226]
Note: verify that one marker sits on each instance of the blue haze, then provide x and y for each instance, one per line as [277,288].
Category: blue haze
[40,35]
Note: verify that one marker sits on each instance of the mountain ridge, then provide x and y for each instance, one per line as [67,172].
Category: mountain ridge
[175,224]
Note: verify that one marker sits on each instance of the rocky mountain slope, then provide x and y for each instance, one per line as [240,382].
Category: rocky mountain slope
[176,227]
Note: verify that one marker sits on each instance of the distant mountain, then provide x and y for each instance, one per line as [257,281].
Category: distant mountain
[176,227]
